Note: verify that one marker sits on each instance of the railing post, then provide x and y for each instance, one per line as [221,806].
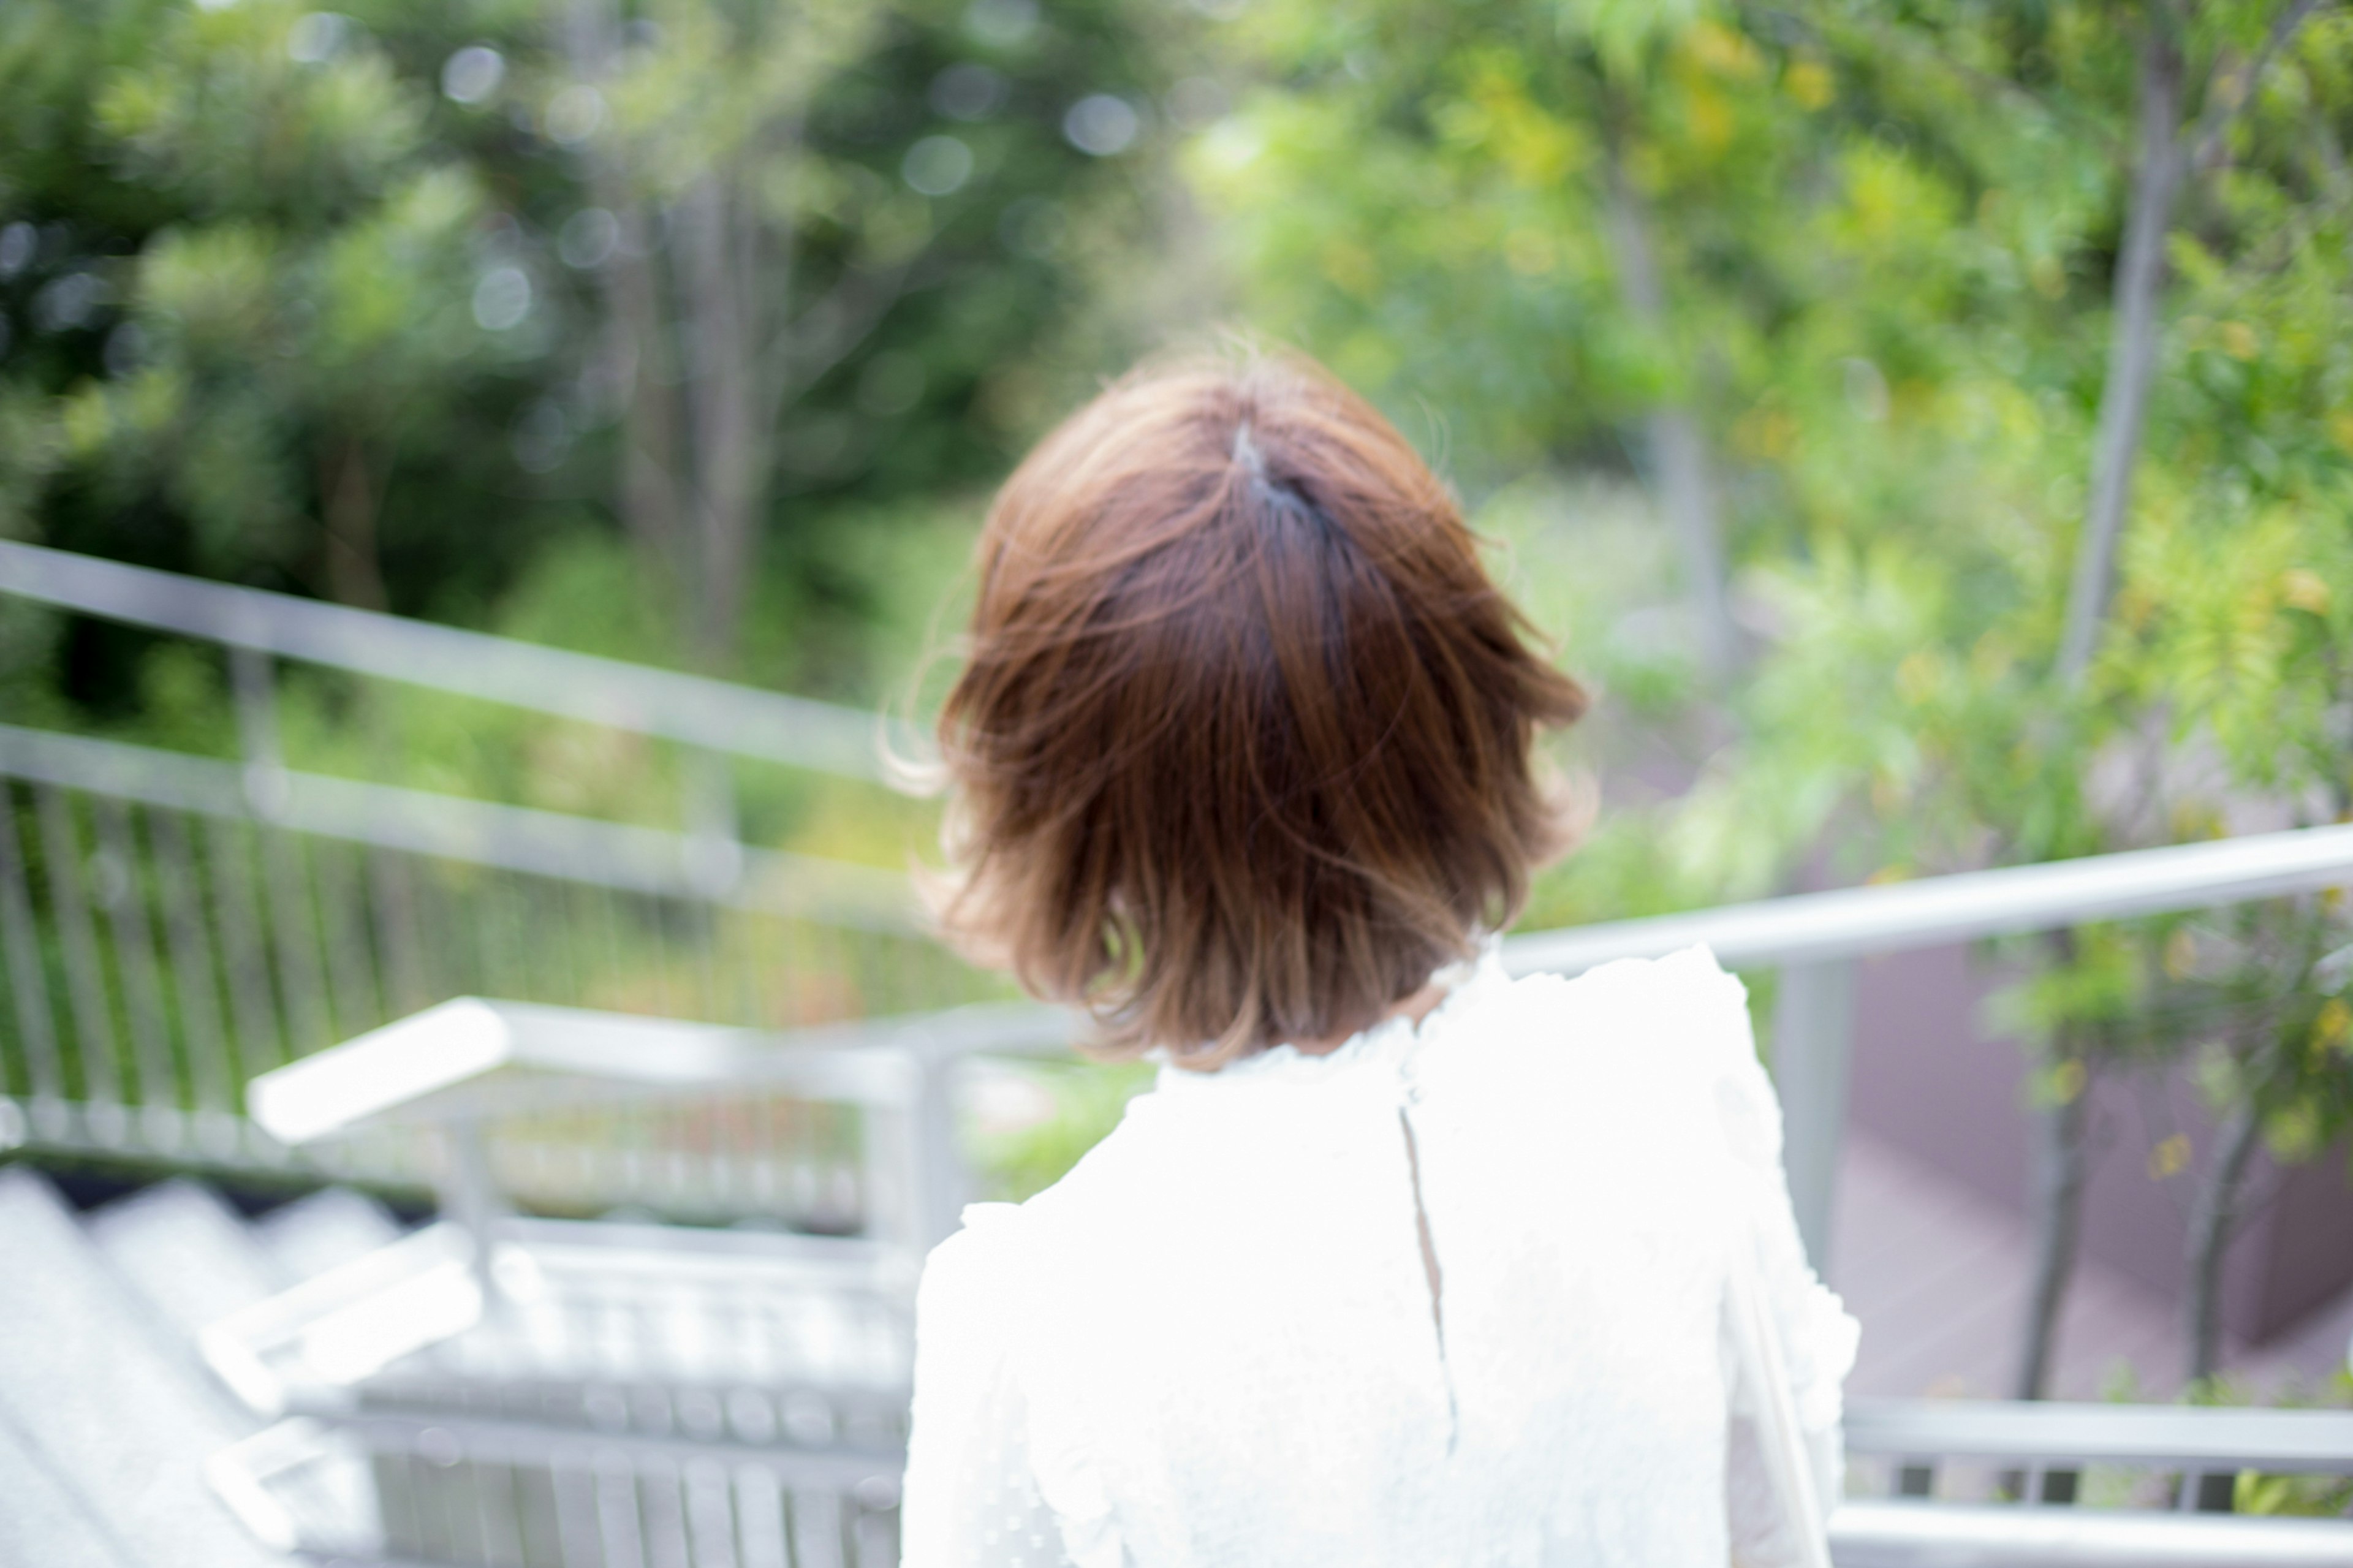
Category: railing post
[942,1187]
[715,848]
[916,1183]
[469,1197]
[256,689]
[1813,1045]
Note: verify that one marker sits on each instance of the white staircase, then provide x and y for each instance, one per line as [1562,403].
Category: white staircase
[107,1418]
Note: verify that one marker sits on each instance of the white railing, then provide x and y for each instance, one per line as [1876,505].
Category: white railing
[1814,939]
[244,953]
[174,923]
[616,855]
[713,715]
[1935,1484]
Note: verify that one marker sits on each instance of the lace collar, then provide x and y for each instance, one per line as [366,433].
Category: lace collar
[1391,1040]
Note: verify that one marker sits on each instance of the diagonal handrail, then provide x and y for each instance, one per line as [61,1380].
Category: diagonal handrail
[2300,1442]
[1855,922]
[514,837]
[716,715]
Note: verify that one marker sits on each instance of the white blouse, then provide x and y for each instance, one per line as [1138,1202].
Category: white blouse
[1449,1294]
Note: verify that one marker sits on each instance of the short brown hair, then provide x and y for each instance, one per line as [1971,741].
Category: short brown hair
[1241,751]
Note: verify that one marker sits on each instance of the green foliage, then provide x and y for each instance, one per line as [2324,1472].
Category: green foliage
[1083,1103]
[1882,257]
[294,299]
[291,298]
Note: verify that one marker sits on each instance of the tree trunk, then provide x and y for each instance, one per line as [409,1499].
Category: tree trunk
[2133,343]
[2062,1165]
[348,499]
[718,243]
[2212,1225]
[1680,470]
[640,359]
[653,504]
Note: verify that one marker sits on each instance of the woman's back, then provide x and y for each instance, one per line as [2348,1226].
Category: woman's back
[1451,1293]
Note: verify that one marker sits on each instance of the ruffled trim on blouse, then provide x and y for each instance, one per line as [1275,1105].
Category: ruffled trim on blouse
[1390,1041]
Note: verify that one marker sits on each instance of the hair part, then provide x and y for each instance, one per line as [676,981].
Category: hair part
[1242,750]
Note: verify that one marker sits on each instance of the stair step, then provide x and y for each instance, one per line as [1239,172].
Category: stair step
[185,1253]
[85,1379]
[47,1521]
[325,1230]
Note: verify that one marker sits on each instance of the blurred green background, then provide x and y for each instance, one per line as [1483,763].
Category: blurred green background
[1927,427]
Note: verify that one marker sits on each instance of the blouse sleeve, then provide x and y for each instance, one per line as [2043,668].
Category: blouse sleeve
[1818,1338]
[971,1498]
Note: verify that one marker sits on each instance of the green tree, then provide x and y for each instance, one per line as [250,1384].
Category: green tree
[1928,333]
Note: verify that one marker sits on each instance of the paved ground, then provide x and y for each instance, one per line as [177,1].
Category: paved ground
[1938,1277]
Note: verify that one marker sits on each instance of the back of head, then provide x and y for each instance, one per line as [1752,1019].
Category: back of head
[1242,752]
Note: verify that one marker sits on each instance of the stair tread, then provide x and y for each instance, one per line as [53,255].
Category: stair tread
[85,1377]
[325,1230]
[47,1520]
[185,1253]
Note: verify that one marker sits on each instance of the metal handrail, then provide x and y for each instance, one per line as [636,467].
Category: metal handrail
[715,715]
[1953,1536]
[556,845]
[472,1058]
[470,1061]
[1817,938]
[2301,1442]
[1804,927]
[1854,922]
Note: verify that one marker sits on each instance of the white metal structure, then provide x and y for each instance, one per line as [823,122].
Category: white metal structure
[1814,939]
[175,926]
[712,714]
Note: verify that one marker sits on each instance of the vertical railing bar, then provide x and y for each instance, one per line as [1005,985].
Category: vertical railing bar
[505,970]
[212,1079]
[714,864]
[451,959]
[586,943]
[293,921]
[1814,1050]
[659,913]
[607,921]
[27,980]
[256,1039]
[663,1487]
[703,924]
[784,983]
[618,1537]
[134,955]
[400,960]
[817,1527]
[468,1195]
[254,685]
[820,968]
[755,944]
[101,1075]
[555,900]
[714,846]
[496,1526]
[351,982]
[646,934]
[942,1183]
[576,1512]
